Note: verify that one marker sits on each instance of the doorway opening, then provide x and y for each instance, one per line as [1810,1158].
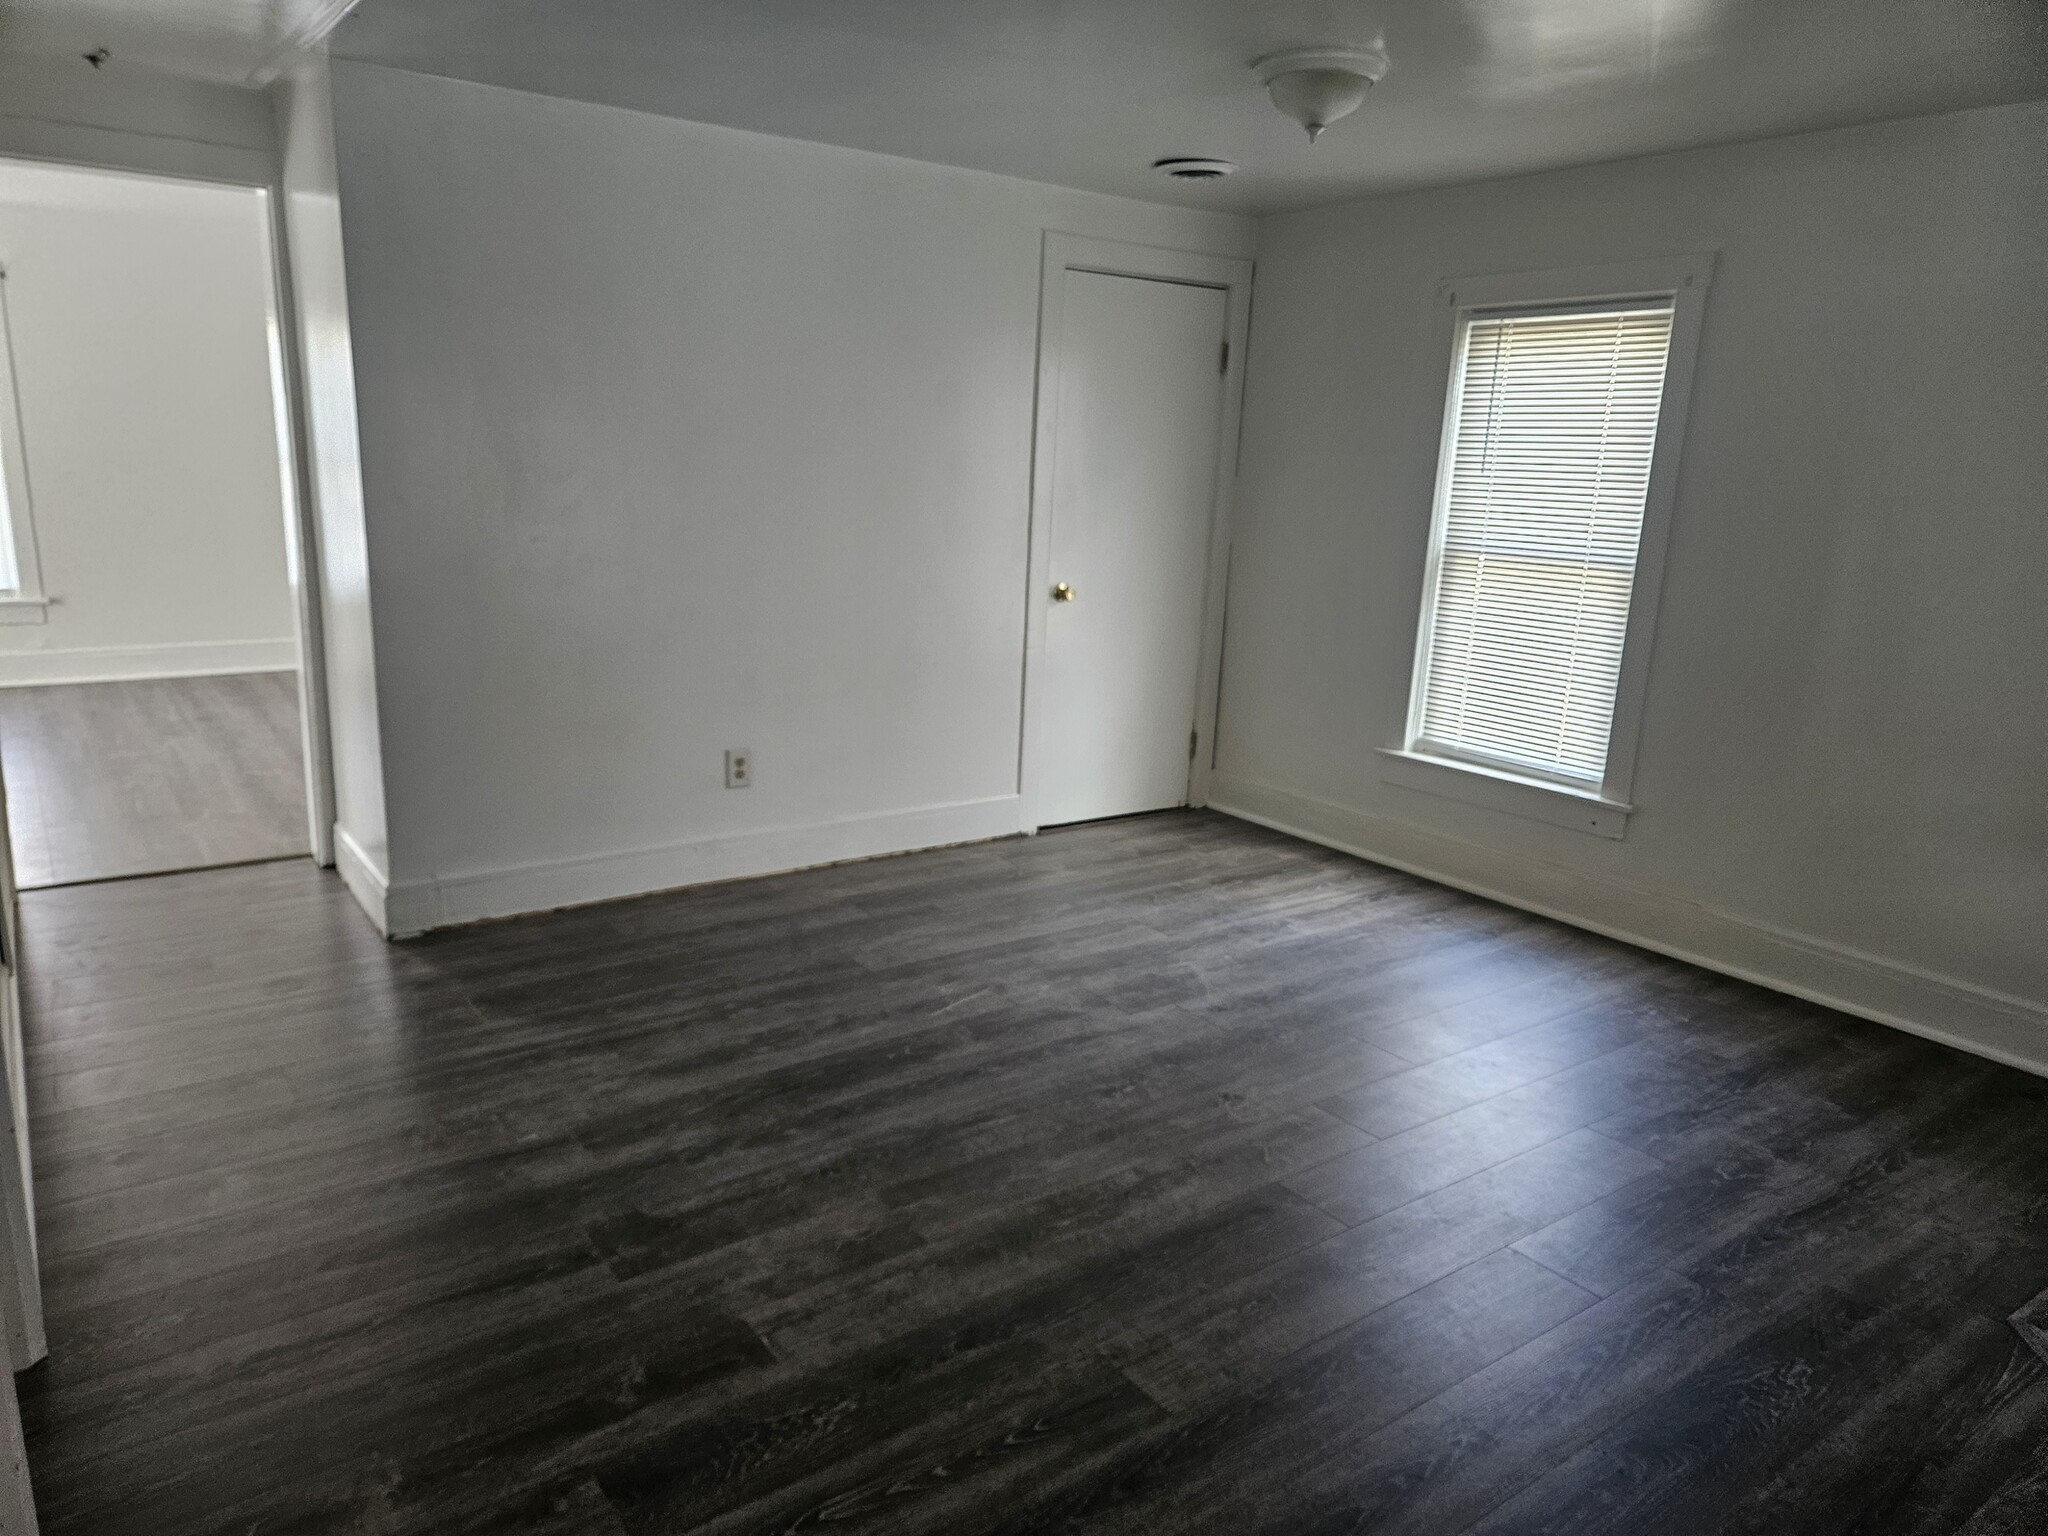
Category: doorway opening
[153,699]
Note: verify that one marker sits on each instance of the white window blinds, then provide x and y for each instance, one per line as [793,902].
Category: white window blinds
[1539,512]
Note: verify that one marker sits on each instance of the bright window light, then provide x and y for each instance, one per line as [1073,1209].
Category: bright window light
[1549,441]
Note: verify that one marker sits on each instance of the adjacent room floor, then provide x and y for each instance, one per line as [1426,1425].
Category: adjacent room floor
[106,780]
[1167,1175]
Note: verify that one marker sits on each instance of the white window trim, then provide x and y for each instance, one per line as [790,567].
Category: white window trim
[27,603]
[1603,809]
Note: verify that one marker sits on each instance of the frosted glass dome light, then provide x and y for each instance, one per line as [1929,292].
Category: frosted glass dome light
[1317,86]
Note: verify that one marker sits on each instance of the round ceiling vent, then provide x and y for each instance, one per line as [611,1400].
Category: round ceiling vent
[1187,168]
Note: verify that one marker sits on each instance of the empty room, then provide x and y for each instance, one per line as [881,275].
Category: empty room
[149,666]
[1090,766]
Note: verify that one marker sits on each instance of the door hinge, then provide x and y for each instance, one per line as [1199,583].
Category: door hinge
[1193,736]
[1223,362]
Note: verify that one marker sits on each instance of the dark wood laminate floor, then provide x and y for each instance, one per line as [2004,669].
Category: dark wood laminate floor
[106,780]
[1162,1176]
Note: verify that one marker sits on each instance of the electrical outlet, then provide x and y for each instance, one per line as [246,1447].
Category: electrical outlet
[739,768]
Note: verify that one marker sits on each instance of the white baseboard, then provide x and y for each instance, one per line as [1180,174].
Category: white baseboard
[136,663]
[363,878]
[2005,1028]
[415,906]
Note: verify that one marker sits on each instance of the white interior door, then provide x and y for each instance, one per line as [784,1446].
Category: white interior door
[1133,490]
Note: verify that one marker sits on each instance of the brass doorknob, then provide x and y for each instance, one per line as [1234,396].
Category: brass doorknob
[1062,593]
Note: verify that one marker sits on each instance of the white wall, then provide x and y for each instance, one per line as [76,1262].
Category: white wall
[677,438]
[319,287]
[139,313]
[1840,785]
[124,117]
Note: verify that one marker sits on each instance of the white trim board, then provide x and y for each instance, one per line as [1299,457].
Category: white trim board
[365,881]
[301,533]
[442,901]
[2008,1029]
[133,663]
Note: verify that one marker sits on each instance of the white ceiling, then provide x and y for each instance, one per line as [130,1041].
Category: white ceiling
[1087,93]
[236,42]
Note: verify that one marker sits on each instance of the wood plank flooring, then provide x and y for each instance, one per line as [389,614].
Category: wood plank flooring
[106,780]
[1159,1176]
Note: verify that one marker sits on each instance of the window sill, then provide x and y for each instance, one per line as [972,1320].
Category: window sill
[1496,789]
[24,610]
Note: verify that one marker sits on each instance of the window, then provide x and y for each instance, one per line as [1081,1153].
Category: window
[1553,424]
[21,589]
[1559,441]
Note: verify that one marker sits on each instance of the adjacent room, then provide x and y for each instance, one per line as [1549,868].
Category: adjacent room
[149,696]
[1089,766]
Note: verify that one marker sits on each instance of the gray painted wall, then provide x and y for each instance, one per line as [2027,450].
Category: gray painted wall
[679,438]
[1840,784]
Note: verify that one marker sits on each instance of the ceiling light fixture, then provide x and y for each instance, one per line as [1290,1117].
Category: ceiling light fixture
[1189,168]
[1317,86]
